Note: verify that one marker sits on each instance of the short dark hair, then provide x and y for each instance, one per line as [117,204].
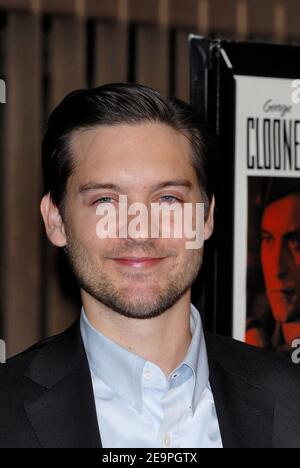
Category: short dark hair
[280,187]
[121,103]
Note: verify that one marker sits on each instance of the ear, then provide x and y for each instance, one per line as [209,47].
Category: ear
[53,222]
[209,223]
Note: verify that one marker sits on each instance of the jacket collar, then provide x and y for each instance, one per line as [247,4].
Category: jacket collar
[245,410]
[64,415]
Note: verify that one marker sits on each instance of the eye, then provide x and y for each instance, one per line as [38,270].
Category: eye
[103,200]
[294,242]
[170,198]
[265,237]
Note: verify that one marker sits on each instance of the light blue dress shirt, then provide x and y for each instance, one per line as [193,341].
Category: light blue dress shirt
[139,407]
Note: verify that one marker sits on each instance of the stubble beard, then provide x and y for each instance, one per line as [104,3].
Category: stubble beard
[132,302]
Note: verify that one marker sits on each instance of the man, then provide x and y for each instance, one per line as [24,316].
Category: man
[279,324]
[137,369]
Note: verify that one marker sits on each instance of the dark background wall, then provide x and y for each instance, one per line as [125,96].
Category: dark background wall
[47,49]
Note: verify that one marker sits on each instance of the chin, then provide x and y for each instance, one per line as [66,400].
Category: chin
[144,289]
[143,298]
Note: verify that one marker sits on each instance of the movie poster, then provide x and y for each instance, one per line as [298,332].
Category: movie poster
[267,213]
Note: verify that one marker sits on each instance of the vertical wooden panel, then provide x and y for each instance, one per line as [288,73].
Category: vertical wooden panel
[152,66]
[242,19]
[144,11]
[184,13]
[293,19]
[261,19]
[14,5]
[105,9]
[110,53]
[67,57]
[57,6]
[280,17]
[203,17]
[67,69]
[182,65]
[223,17]
[22,225]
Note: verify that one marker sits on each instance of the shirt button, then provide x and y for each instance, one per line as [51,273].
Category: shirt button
[167,441]
[147,374]
[175,376]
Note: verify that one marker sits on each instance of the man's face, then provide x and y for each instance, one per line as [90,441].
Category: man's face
[280,254]
[134,159]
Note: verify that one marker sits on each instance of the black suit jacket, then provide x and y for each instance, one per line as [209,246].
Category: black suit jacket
[46,396]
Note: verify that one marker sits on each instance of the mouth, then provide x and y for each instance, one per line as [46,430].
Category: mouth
[138,262]
[286,294]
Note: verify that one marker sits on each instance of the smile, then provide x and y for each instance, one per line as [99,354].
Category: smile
[284,294]
[138,262]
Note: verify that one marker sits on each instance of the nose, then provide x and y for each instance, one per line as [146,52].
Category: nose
[282,261]
[138,225]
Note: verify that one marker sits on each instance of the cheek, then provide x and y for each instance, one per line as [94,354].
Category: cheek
[297,274]
[177,246]
[268,267]
[297,261]
[188,256]
[85,235]
[102,247]
[265,260]
[84,225]
[82,228]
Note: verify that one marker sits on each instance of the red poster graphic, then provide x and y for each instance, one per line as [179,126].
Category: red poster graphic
[267,214]
[273,262]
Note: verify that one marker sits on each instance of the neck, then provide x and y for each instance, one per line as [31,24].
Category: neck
[163,340]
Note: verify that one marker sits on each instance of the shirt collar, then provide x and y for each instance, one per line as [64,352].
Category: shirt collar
[122,370]
[196,357]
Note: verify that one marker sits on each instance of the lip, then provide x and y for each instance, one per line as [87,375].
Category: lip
[284,293]
[138,262]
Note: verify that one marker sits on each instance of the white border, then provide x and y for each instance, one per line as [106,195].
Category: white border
[251,93]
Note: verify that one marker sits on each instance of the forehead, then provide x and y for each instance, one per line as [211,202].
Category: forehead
[143,151]
[283,215]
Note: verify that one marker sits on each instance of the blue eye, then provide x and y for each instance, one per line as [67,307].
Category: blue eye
[102,200]
[170,198]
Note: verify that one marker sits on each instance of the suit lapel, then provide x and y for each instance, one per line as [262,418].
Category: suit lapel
[64,415]
[245,411]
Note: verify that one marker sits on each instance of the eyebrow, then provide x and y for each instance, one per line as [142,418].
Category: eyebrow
[286,235]
[109,186]
[292,233]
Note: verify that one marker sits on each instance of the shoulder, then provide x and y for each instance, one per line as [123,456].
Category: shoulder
[16,370]
[267,369]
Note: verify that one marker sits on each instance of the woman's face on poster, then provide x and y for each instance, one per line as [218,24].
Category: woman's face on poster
[280,257]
